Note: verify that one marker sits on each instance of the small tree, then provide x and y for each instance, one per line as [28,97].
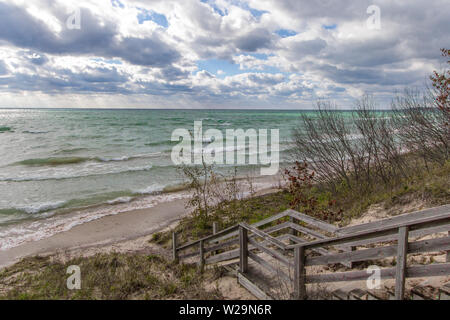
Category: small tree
[300,182]
[441,85]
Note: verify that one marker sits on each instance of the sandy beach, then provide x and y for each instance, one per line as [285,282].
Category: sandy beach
[124,231]
[102,232]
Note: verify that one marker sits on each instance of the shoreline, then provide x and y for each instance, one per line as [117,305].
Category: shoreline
[115,228]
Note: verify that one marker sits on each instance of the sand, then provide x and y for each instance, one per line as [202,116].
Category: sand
[105,231]
[127,231]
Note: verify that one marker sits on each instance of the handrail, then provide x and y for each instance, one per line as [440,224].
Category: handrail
[264,235]
[211,237]
[418,224]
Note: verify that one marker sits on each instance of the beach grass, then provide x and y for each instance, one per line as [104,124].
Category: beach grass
[112,276]
[430,187]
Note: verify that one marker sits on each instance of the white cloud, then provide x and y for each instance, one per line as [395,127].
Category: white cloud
[117,57]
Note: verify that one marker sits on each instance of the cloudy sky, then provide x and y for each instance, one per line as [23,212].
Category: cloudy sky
[277,54]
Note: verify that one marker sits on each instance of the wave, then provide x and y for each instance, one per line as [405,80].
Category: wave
[35,132]
[59,161]
[49,178]
[120,200]
[48,209]
[161,143]
[5,129]
[34,208]
[51,161]
[73,150]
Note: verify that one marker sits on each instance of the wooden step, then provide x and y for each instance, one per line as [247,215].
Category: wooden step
[444,292]
[253,288]
[339,294]
[358,294]
[424,293]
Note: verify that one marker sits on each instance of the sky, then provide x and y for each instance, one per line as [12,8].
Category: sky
[224,54]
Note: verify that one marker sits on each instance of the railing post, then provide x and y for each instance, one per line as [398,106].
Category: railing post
[402,253]
[215,230]
[201,262]
[174,246]
[299,273]
[350,264]
[447,258]
[292,231]
[243,249]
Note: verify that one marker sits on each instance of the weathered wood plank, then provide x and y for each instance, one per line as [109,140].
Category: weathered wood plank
[400,219]
[250,286]
[257,224]
[292,231]
[307,231]
[276,228]
[412,234]
[236,241]
[268,266]
[320,251]
[273,253]
[447,257]
[432,270]
[233,254]
[431,245]
[400,273]
[188,255]
[201,262]
[312,221]
[209,238]
[416,225]
[174,246]
[222,245]
[299,274]
[264,235]
[243,249]
[228,255]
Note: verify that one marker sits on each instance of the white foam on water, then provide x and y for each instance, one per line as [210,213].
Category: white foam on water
[16,235]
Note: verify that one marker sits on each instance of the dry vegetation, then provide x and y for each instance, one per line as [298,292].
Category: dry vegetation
[107,276]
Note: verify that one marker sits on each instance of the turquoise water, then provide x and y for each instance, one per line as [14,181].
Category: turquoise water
[56,161]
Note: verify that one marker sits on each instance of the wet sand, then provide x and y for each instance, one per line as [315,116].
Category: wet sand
[102,232]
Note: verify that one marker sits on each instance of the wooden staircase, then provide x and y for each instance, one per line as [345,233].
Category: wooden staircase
[279,257]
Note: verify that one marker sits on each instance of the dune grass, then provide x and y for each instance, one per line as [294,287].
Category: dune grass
[106,276]
[431,187]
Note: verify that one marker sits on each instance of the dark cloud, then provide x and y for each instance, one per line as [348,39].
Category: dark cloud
[254,40]
[96,37]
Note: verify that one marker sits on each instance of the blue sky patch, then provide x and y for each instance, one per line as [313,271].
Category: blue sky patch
[109,61]
[214,6]
[150,15]
[260,56]
[230,69]
[284,33]
[330,26]
[214,65]
[117,4]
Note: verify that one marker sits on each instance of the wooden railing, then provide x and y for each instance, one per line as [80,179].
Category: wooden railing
[401,231]
[333,244]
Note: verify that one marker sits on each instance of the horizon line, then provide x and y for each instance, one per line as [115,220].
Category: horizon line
[178,109]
